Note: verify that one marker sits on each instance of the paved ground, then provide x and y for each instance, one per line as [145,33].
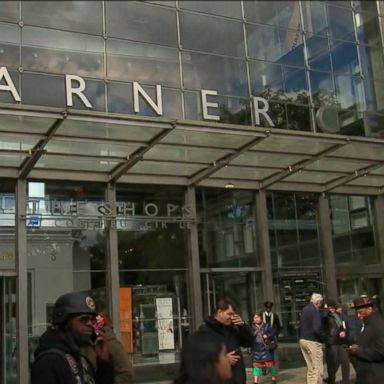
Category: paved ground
[294,376]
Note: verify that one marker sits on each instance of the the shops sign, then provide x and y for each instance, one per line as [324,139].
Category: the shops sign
[75,86]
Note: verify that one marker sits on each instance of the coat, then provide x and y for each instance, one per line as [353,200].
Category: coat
[233,337]
[58,361]
[370,353]
[259,348]
[122,367]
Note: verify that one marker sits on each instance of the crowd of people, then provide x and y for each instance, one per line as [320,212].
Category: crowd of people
[80,346]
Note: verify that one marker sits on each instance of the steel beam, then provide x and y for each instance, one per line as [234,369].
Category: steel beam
[137,155]
[222,162]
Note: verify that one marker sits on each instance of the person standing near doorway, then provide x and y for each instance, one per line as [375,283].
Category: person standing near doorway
[234,332]
[336,339]
[311,337]
[271,318]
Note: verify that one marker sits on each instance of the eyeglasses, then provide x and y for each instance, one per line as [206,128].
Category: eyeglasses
[84,319]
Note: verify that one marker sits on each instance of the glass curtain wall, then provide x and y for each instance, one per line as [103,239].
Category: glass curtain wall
[354,245]
[319,64]
[295,254]
[229,256]
[152,225]
[66,247]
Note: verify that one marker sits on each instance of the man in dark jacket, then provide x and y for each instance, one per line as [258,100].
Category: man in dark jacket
[271,318]
[235,334]
[58,359]
[336,339]
[369,347]
[311,338]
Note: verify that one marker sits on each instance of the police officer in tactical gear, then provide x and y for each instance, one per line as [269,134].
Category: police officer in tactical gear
[58,359]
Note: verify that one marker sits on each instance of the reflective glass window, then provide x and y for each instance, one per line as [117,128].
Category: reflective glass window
[318,53]
[278,114]
[9,45]
[372,61]
[144,63]
[223,74]
[211,34]
[294,229]
[367,26]
[120,100]
[353,239]
[340,23]
[266,79]
[285,14]
[277,45]
[374,95]
[322,87]
[298,117]
[295,85]
[141,22]
[228,227]
[62,52]
[79,16]
[344,58]
[49,90]
[67,252]
[315,17]
[152,250]
[9,11]
[222,8]
[349,91]
[232,110]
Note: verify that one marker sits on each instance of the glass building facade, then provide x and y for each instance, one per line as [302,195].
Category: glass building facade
[163,154]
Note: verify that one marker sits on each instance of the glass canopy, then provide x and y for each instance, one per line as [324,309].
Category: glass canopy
[90,146]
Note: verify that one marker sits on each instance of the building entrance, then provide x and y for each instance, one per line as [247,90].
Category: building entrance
[243,287]
[7,328]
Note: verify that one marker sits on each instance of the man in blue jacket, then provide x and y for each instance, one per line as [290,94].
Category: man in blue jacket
[311,338]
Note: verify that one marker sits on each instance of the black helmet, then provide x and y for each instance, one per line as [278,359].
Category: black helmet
[73,303]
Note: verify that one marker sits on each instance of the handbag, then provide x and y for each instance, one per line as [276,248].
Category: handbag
[271,344]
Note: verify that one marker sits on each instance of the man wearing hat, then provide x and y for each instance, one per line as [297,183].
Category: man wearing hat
[58,359]
[369,348]
[271,318]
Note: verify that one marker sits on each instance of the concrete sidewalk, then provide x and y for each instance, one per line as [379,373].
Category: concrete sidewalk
[296,376]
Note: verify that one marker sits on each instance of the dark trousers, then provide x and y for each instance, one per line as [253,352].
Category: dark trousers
[336,356]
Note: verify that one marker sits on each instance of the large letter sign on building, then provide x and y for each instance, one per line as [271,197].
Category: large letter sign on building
[75,85]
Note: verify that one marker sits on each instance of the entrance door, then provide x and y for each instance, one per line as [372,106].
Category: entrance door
[8,329]
[243,288]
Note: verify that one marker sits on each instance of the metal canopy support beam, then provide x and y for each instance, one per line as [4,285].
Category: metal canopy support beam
[267,182]
[22,357]
[193,263]
[222,162]
[355,175]
[112,261]
[263,243]
[326,243]
[38,150]
[137,155]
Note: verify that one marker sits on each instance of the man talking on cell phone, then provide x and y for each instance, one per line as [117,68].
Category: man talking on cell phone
[58,357]
[235,333]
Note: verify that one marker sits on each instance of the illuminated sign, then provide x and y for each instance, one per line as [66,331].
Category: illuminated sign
[76,85]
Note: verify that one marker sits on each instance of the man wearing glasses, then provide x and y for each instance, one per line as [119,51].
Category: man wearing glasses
[369,348]
[58,359]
